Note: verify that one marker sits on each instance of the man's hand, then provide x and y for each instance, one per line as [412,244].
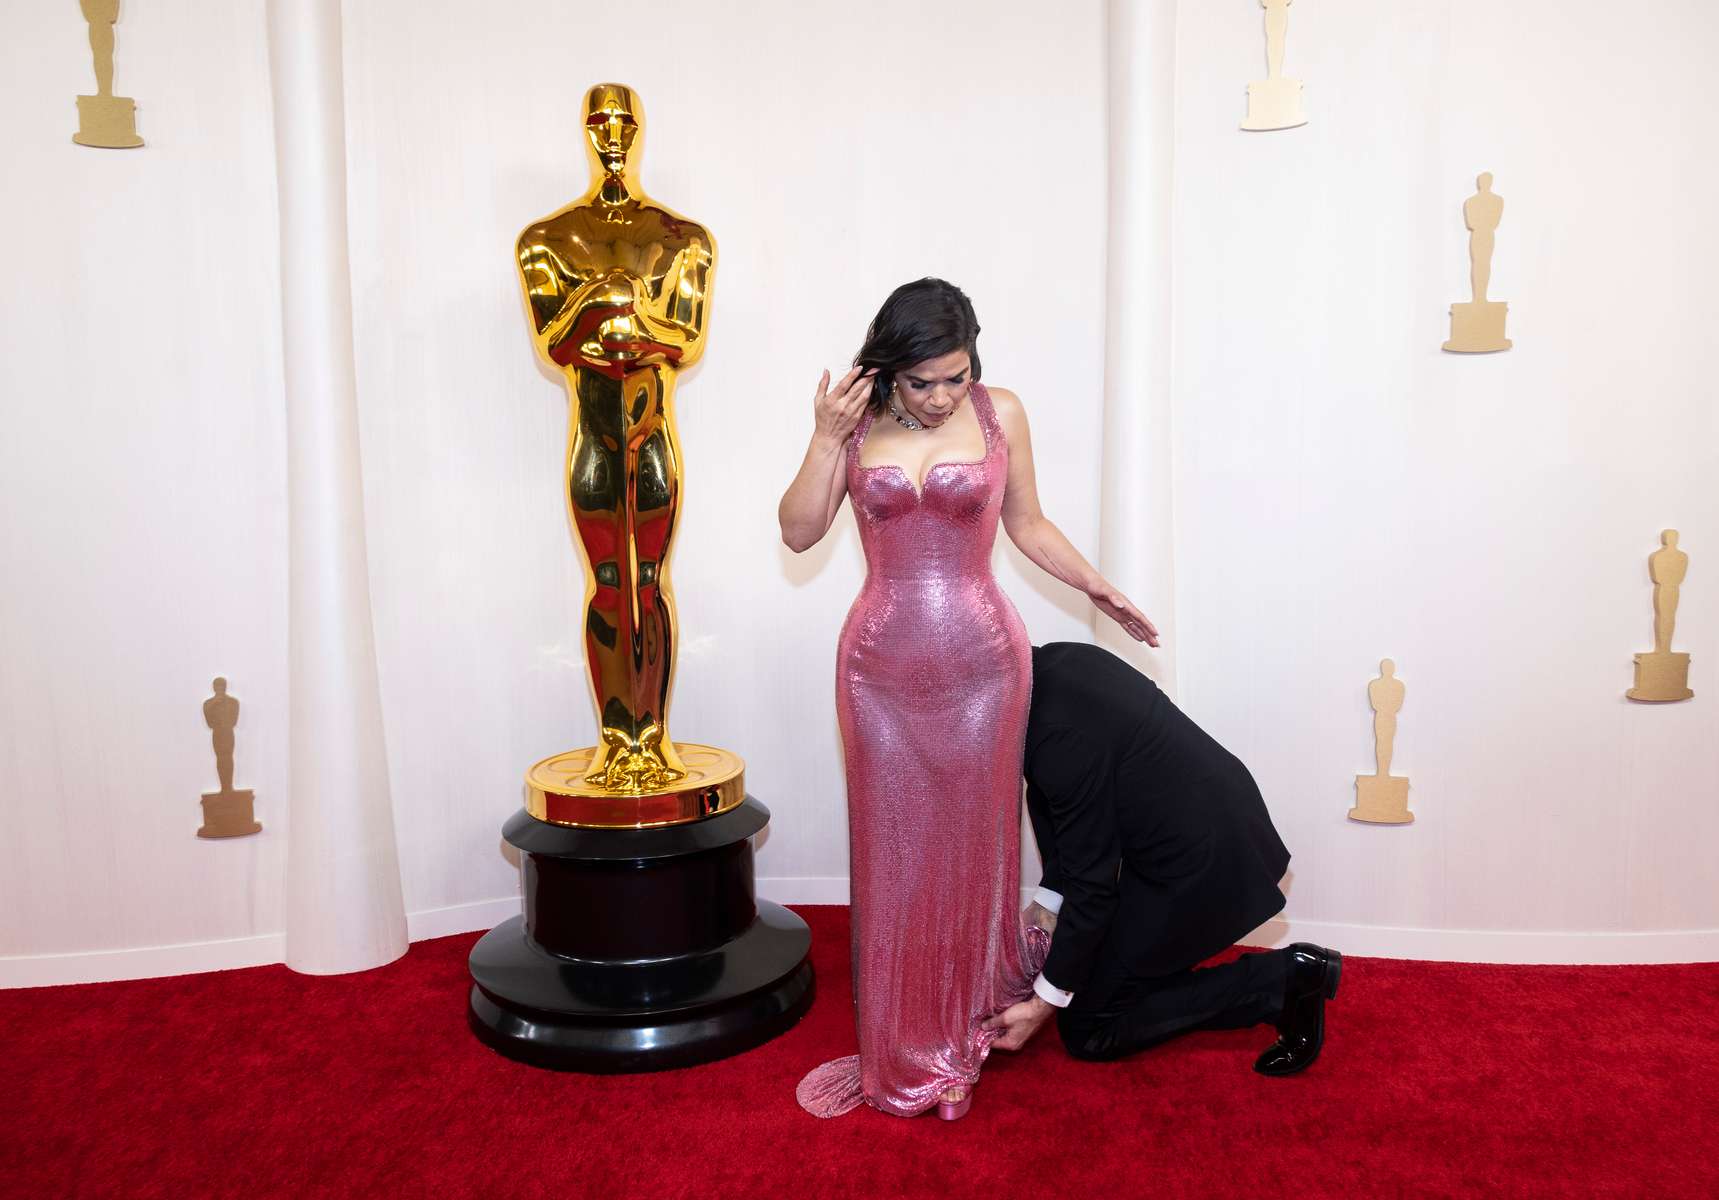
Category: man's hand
[1037,914]
[1019,1022]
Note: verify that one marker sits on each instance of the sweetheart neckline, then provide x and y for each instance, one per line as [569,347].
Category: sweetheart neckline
[919,491]
[929,471]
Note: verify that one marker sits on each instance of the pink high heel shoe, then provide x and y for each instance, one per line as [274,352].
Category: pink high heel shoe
[954,1110]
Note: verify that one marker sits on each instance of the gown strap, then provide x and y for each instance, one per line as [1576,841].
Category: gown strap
[858,435]
[988,420]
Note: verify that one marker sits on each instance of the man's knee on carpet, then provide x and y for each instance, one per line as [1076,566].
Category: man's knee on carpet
[1091,1042]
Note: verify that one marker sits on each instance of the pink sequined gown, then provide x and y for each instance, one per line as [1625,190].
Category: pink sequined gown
[933,671]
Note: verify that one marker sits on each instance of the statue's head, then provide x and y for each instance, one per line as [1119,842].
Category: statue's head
[220,686]
[1484,181]
[614,122]
[1387,668]
[1668,537]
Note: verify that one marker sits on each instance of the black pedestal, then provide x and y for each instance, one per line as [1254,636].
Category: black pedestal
[640,949]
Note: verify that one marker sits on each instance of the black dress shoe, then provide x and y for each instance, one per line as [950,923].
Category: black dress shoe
[1311,980]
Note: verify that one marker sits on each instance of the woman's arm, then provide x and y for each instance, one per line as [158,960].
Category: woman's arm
[1038,537]
[810,504]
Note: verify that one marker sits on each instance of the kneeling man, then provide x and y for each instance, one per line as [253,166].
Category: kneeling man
[1158,854]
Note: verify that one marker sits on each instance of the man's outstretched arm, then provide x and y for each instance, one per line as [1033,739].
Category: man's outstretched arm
[1076,775]
[1073,811]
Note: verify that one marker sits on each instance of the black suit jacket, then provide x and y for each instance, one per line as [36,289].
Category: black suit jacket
[1156,836]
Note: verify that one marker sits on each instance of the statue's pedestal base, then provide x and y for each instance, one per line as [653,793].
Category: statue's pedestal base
[107,121]
[1381,800]
[1274,104]
[1477,328]
[1660,678]
[229,814]
[558,790]
[639,949]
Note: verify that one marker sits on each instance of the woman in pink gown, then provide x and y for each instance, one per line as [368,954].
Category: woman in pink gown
[933,675]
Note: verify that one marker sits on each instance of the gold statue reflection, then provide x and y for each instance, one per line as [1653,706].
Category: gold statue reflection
[618,289]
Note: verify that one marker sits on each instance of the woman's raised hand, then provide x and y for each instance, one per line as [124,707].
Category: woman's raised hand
[1118,608]
[839,408]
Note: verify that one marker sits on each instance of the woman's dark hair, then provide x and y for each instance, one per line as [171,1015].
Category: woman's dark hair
[927,318]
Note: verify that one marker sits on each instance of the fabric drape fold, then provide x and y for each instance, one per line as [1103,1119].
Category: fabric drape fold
[344,909]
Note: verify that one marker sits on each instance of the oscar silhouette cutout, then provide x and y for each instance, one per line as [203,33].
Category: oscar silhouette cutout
[1478,326]
[1274,102]
[1660,675]
[1382,798]
[226,813]
[105,119]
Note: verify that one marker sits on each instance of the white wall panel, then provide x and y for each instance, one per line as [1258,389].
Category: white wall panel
[142,528]
[1347,492]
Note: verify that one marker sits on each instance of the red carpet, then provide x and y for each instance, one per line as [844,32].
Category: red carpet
[1437,1080]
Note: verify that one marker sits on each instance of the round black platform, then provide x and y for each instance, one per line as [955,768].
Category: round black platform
[639,950]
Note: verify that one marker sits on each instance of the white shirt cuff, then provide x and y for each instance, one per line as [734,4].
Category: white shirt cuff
[1048,900]
[1049,992]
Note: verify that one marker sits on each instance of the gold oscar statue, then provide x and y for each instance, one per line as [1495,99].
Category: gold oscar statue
[642,943]
[226,813]
[105,119]
[1660,675]
[1274,102]
[1478,326]
[618,289]
[1382,798]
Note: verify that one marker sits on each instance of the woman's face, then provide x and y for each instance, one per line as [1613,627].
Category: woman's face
[932,390]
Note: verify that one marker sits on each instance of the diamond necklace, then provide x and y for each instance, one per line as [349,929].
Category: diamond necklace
[902,418]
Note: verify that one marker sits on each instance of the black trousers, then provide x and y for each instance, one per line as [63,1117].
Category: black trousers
[1121,1012]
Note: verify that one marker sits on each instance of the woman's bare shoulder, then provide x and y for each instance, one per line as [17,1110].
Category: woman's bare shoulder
[1011,413]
